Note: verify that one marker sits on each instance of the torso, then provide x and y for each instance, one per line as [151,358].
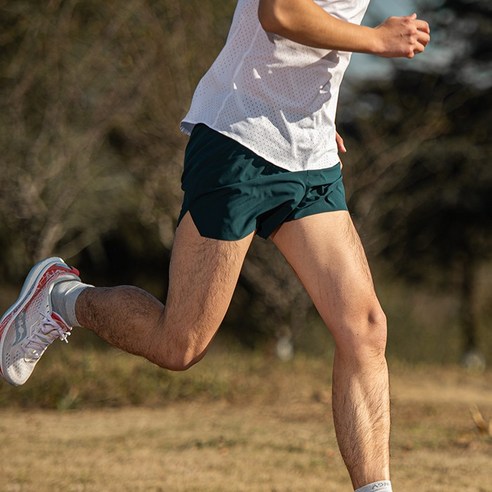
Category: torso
[273,95]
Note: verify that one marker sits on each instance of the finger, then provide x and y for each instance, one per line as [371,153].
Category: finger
[423,38]
[426,41]
[422,26]
[419,48]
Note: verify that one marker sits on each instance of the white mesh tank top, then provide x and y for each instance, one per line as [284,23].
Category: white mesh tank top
[272,95]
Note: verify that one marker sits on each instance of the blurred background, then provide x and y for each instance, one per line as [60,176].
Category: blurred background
[91,98]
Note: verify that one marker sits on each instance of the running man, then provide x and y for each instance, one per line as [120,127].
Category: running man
[262,159]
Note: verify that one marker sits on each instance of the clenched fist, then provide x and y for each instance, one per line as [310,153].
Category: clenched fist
[402,36]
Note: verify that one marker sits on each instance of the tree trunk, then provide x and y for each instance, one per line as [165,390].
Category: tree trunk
[468,316]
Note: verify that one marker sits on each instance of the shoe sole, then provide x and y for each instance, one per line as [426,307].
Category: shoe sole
[26,294]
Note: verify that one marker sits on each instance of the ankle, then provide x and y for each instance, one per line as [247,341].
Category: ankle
[64,298]
[381,486]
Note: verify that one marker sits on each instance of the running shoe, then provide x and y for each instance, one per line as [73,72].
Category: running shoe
[29,326]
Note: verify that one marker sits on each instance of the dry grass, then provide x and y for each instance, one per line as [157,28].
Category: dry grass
[278,438]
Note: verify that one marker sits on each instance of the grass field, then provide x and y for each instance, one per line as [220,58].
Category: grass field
[232,423]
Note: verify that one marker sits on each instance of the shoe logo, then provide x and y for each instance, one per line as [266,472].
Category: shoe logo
[20,328]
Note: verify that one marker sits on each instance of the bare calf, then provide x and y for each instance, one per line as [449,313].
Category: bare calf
[326,253]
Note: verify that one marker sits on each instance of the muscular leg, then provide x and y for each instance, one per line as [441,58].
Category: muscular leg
[326,253]
[203,275]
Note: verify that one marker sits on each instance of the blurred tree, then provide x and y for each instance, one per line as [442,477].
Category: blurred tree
[438,211]
[69,69]
[91,101]
[424,179]
[463,33]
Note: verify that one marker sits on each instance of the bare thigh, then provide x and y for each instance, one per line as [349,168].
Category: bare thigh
[326,253]
[203,276]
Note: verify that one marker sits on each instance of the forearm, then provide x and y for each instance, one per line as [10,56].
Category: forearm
[305,22]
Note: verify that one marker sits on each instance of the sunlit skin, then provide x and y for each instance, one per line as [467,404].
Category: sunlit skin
[324,250]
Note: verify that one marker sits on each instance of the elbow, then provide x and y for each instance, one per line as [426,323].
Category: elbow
[272,17]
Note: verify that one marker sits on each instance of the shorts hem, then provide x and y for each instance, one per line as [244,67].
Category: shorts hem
[307,213]
[219,236]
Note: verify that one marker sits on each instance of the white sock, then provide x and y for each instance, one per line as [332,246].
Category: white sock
[382,486]
[64,297]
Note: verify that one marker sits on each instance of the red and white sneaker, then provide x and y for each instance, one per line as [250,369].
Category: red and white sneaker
[29,326]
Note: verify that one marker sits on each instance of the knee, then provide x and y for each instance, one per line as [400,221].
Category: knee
[178,359]
[363,334]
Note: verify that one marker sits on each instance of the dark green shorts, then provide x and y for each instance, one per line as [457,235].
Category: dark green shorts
[230,191]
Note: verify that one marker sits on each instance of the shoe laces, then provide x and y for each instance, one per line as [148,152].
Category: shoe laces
[48,332]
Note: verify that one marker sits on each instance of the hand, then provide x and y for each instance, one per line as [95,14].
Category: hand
[402,36]
[340,145]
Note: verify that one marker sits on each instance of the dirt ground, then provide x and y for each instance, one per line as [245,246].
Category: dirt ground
[282,443]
